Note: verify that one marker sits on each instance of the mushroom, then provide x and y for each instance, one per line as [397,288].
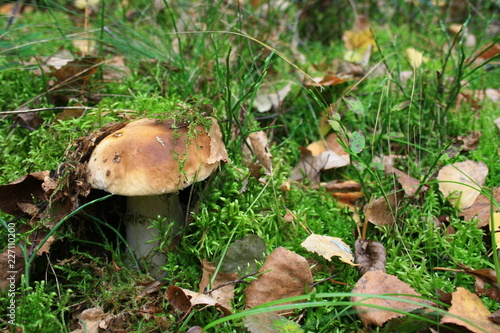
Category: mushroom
[149,161]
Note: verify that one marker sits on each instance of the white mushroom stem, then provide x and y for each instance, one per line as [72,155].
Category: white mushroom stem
[140,211]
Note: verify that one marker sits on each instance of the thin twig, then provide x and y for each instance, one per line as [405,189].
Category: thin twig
[240,280]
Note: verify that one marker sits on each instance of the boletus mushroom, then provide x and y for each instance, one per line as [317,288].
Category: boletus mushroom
[149,161]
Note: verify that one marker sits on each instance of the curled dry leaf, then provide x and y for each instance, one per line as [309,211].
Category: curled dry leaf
[460,182]
[258,141]
[222,295]
[184,299]
[484,276]
[329,247]
[378,282]
[318,156]
[382,211]
[468,306]
[178,299]
[285,274]
[370,255]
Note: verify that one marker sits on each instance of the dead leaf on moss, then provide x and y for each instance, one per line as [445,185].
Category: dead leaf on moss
[370,255]
[90,320]
[378,282]
[205,300]
[178,299]
[22,191]
[471,140]
[11,268]
[285,274]
[383,211]
[258,141]
[268,99]
[328,247]
[408,183]
[481,209]
[468,306]
[318,156]
[460,182]
[484,277]
[222,295]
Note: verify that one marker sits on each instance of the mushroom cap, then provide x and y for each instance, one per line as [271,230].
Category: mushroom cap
[152,157]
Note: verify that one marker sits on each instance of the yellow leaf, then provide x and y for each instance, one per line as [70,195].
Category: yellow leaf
[328,247]
[496,226]
[414,57]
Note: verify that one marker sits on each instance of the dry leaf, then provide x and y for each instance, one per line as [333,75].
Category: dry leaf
[329,247]
[178,299]
[318,156]
[358,41]
[202,299]
[222,295]
[382,211]
[459,182]
[327,80]
[481,209]
[286,274]
[92,318]
[471,141]
[369,255]
[378,282]
[409,184]
[22,190]
[414,57]
[468,306]
[258,141]
[266,101]
[484,276]
[11,272]
[496,228]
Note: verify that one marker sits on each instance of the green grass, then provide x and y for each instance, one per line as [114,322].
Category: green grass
[173,62]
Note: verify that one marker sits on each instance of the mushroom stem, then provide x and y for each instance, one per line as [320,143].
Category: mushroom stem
[140,210]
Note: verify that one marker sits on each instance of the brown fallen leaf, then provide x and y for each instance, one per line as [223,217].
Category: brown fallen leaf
[222,295]
[468,306]
[382,211]
[327,80]
[329,247]
[258,141]
[22,190]
[205,300]
[460,182]
[378,282]
[92,318]
[11,268]
[495,317]
[285,274]
[268,99]
[471,140]
[178,299]
[408,183]
[318,156]
[481,209]
[370,255]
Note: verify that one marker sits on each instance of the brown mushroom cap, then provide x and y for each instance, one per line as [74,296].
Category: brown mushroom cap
[148,157]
